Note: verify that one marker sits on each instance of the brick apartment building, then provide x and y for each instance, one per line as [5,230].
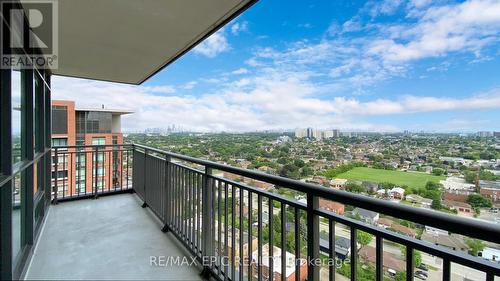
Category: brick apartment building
[72,126]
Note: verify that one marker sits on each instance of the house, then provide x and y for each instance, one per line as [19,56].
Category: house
[367,215]
[426,203]
[461,207]
[384,222]
[456,195]
[384,193]
[490,254]
[338,183]
[321,180]
[452,241]
[489,184]
[290,261]
[331,206]
[369,186]
[342,245]
[229,250]
[456,183]
[435,231]
[414,198]
[397,193]
[417,199]
[404,230]
[391,260]
[492,193]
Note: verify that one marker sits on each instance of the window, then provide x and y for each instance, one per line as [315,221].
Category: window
[58,142]
[100,171]
[98,141]
[93,122]
[60,174]
[16,115]
[59,119]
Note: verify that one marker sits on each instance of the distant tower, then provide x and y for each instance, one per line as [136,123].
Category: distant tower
[310,133]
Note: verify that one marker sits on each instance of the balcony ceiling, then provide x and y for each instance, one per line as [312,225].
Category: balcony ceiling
[128,41]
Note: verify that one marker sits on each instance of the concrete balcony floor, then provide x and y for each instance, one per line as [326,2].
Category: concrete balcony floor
[109,238]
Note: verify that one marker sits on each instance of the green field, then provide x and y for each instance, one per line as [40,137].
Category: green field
[411,179]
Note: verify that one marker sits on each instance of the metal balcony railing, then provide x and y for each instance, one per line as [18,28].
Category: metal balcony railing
[89,171]
[237,231]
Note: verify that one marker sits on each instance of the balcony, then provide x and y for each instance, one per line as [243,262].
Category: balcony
[191,210]
[110,238]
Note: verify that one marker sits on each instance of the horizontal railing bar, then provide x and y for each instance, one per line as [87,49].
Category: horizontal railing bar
[455,224]
[440,251]
[89,195]
[265,193]
[64,152]
[93,146]
[186,167]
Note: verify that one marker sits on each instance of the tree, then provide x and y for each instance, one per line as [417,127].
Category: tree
[364,238]
[299,163]
[430,185]
[438,171]
[470,176]
[479,201]
[436,204]
[475,245]
[353,187]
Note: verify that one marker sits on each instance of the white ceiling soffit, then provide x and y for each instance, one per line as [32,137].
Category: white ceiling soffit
[128,41]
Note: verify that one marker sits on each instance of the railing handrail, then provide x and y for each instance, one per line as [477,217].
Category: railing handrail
[455,224]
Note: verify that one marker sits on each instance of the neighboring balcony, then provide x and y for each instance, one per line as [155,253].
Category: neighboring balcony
[191,210]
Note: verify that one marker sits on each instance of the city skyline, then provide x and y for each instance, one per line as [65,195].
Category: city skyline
[375,66]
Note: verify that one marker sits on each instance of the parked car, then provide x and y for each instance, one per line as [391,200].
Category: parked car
[391,272]
[423,267]
[419,275]
[422,273]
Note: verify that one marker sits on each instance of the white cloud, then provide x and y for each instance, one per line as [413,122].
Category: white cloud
[239,27]
[386,7]
[240,71]
[356,60]
[270,100]
[212,46]
[465,27]
[165,89]
[189,85]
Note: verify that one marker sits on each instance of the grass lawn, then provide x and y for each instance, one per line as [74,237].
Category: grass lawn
[411,179]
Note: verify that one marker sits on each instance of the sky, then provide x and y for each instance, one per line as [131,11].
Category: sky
[350,65]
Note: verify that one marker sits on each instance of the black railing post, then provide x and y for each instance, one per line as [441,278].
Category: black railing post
[144,204]
[55,189]
[168,190]
[207,215]
[312,238]
[96,160]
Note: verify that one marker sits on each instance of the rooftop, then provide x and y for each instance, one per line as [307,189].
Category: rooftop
[111,110]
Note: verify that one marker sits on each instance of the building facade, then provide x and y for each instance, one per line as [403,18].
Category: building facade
[73,128]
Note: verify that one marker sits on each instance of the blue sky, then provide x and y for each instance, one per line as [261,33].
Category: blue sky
[353,65]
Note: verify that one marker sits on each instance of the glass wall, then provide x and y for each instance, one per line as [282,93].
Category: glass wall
[24,165]
[16,115]
[93,122]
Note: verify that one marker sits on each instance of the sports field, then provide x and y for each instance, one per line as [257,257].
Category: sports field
[411,179]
